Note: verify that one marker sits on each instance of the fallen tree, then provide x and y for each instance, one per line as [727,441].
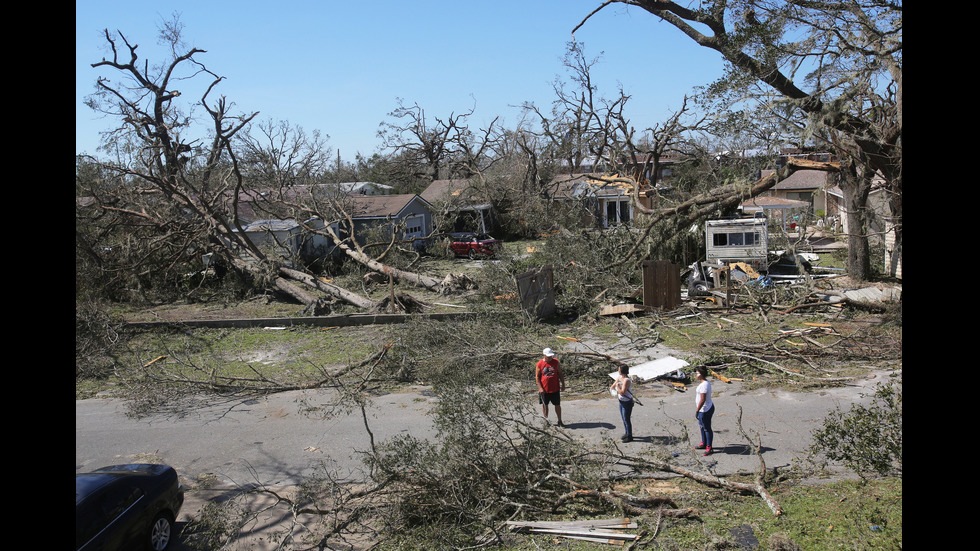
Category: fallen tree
[757,487]
[721,199]
[170,197]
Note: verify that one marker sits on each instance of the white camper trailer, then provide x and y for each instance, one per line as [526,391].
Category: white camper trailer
[742,244]
[738,240]
[730,241]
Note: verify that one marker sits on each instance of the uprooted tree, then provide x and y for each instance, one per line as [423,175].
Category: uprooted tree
[173,194]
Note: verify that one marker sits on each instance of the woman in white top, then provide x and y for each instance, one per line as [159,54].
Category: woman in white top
[705,409]
[622,389]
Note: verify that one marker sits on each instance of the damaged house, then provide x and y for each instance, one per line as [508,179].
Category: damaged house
[605,199]
[459,206]
[602,201]
[268,221]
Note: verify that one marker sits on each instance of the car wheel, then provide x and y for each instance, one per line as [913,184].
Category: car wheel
[161,532]
[473,254]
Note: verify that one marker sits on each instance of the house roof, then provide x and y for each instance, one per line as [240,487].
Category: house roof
[770,202]
[801,179]
[271,225]
[447,190]
[363,188]
[380,206]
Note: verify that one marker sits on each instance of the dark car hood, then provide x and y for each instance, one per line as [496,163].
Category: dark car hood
[86,483]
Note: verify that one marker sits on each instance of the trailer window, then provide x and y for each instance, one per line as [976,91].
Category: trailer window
[738,239]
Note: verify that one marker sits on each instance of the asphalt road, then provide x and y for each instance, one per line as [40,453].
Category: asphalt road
[271,441]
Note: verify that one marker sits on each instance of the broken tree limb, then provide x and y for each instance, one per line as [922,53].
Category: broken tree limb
[761,473]
[716,481]
[795,373]
[430,283]
[314,305]
[330,289]
[628,503]
[722,198]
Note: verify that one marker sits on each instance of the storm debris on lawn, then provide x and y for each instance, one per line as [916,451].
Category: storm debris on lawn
[608,531]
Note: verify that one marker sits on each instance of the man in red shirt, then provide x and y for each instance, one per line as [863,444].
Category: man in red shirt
[551,381]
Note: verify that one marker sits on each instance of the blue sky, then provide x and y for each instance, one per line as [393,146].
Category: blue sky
[339,66]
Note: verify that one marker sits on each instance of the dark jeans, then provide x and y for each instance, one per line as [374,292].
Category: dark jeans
[626,411]
[704,419]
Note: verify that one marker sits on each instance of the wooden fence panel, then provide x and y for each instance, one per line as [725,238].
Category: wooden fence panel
[661,284]
[536,290]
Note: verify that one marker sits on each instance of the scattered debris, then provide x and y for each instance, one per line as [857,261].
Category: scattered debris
[655,369]
[721,378]
[375,277]
[400,302]
[154,360]
[824,328]
[455,283]
[744,536]
[617,309]
[609,531]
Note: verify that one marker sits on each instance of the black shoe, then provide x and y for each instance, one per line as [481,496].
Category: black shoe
[560,424]
[627,439]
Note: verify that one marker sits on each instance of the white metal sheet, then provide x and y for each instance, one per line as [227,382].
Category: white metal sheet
[657,368]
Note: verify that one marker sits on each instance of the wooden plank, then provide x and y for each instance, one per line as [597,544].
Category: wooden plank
[585,533]
[621,523]
[620,309]
[595,540]
[153,361]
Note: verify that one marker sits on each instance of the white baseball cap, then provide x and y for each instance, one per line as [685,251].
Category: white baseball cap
[549,352]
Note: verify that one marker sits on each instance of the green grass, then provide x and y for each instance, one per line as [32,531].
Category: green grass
[287,355]
[842,515]
[839,515]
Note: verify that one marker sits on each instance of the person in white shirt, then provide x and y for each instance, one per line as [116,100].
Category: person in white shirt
[705,409]
[622,389]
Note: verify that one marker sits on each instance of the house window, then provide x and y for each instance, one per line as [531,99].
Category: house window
[617,212]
